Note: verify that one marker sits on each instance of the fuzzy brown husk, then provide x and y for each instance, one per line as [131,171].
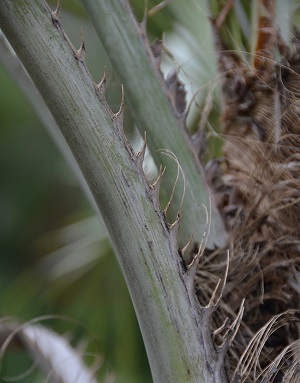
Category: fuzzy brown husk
[256,188]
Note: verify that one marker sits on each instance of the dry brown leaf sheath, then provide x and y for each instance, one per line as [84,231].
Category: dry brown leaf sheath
[256,188]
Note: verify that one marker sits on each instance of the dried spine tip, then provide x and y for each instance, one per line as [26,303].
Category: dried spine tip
[190,275]
[187,246]
[56,15]
[157,182]
[121,109]
[140,156]
[80,53]
[230,331]
[214,303]
[174,227]
[56,19]
[101,87]
[154,189]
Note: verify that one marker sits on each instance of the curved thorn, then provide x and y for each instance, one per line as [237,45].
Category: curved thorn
[142,150]
[189,276]
[216,304]
[81,51]
[174,230]
[154,189]
[172,194]
[157,182]
[56,15]
[176,224]
[234,327]
[101,87]
[192,270]
[221,328]
[194,264]
[186,247]
[140,156]
[236,323]
[226,273]
[170,154]
[121,109]
[213,296]
[212,304]
[205,235]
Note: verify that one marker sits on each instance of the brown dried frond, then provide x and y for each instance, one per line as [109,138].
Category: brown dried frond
[256,188]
